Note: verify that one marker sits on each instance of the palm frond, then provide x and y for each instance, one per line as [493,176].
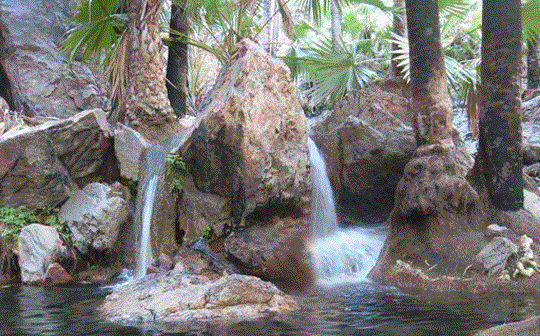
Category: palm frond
[530,14]
[457,8]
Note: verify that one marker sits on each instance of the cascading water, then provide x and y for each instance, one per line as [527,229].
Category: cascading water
[338,255]
[145,251]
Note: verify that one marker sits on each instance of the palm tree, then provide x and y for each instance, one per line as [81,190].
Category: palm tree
[500,143]
[177,62]
[399,27]
[533,66]
[147,106]
[430,98]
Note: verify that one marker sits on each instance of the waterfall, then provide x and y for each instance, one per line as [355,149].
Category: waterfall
[338,255]
[323,210]
[155,157]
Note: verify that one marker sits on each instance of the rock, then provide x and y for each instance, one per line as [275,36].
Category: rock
[94,216]
[129,146]
[251,144]
[531,142]
[248,167]
[366,141]
[56,275]
[274,252]
[197,211]
[495,254]
[528,327]
[531,202]
[531,110]
[189,261]
[38,246]
[191,299]
[40,80]
[161,264]
[41,165]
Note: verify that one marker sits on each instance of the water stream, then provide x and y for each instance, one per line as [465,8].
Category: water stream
[338,255]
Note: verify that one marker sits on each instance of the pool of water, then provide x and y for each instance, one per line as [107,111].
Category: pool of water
[355,309]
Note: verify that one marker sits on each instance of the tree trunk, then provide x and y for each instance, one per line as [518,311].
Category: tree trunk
[430,98]
[336,24]
[148,109]
[533,66]
[400,25]
[500,142]
[177,63]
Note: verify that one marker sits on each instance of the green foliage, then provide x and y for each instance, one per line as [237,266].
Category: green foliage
[15,218]
[176,169]
[208,233]
[97,30]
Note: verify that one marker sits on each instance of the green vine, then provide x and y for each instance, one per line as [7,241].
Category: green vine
[176,169]
[14,219]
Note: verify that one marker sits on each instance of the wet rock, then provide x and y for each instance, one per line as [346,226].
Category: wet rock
[56,275]
[38,246]
[528,327]
[183,298]
[366,141]
[495,254]
[94,216]
[161,264]
[41,165]
[40,80]
[531,109]
[274,252]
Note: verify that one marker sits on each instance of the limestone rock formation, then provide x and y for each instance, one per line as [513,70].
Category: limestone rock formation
[94,216]
[39,246]
[39,81]
[183,298]
[40,165]
[366,141]
[129,146]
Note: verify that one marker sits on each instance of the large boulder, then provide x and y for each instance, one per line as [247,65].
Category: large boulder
[251,145]
[366,141]
[248,158]
[38,247]
[94,216]
[187,299]
[129,146]
[40,165]
[38,78]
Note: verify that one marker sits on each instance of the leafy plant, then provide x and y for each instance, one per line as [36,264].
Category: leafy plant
[176,169]
[208,233]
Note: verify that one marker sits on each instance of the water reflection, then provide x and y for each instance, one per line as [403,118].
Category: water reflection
[356,309]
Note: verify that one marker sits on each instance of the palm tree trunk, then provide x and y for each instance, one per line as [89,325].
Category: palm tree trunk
[177,63]
[336,24]
[400,28]
[500,142]
[430,98]
[147,105]
[533,66]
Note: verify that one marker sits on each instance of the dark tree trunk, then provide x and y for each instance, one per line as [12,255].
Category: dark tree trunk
[400,26]
[177,65]
[500,142]
[430,98]
[533,67]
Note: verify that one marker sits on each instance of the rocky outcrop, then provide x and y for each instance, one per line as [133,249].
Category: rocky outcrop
[251,145]
[56,275]
[39,246]
[248,166]
[39,80]
[366,141]
[40,165]
[191,299]
[94,216]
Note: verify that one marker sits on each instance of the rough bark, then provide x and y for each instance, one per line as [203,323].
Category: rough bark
[399,27]
[500,142]
[147,105]
[177,64]
[430,98]
[533,66]
[336,24]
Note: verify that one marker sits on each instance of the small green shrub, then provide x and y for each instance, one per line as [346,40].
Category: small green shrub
[208,233]
[15,218]
[176,169]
